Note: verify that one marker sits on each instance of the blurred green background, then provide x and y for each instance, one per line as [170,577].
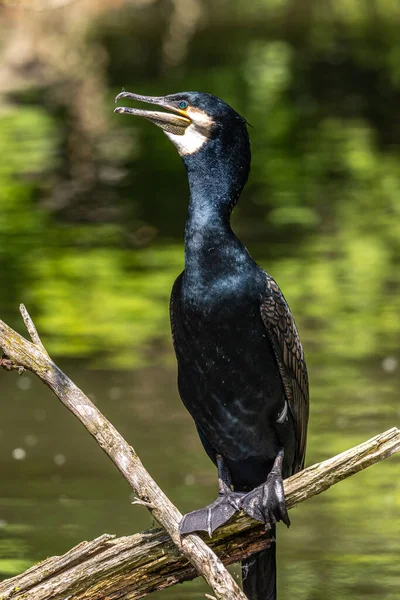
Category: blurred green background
[92,211]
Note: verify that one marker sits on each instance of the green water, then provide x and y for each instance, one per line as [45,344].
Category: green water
[344,543]
[92,210]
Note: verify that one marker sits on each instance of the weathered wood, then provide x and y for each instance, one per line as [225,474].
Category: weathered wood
[34,357]
[132,567]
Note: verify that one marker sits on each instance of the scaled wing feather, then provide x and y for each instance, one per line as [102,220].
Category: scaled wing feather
[282,333]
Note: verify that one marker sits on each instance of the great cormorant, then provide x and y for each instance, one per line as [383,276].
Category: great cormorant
[241,368]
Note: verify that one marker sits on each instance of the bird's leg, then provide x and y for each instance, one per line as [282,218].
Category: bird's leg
[224,477]
[266,503]
[220,511]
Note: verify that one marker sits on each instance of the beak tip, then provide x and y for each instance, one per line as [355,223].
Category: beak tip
[122,94]
[119,110]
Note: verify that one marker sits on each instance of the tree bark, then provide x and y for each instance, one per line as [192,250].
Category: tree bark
[134,566]
[33,356]
[131,567]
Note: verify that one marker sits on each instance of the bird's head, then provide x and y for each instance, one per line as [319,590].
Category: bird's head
[197,123]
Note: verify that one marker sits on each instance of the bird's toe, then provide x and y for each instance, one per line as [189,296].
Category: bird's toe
[266,503]
[212,516]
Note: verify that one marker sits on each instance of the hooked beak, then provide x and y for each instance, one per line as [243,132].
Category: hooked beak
[174,121]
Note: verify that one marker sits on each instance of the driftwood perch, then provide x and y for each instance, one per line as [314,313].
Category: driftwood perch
[131,567]
[34,357]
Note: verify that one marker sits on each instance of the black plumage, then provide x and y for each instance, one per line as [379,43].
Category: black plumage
[241,367]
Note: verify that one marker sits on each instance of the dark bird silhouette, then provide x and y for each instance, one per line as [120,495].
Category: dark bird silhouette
[241,368]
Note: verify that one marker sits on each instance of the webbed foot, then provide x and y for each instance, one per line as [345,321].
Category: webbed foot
[266,503]
[214,515]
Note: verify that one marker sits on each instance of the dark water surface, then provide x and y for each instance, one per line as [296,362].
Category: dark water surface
[57,487]
[92,212]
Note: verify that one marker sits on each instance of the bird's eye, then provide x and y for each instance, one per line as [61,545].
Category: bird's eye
[183,104]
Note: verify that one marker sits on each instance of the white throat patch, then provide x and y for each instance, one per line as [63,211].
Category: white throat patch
[196,134]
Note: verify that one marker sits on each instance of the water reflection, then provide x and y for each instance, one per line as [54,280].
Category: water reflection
[92,211]
[336,541]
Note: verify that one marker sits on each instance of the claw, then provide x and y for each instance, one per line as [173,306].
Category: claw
[266,503]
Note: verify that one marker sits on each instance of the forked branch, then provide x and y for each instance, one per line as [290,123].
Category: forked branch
[34,357]
[132,567]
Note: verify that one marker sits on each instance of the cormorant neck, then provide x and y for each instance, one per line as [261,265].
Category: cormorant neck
[218,172]
[212,198]
[216,179]
[207,222]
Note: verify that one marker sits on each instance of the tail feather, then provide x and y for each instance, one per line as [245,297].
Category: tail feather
[259,573]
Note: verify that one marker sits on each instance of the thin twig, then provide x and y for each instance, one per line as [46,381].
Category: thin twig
[29,324]
[139,502]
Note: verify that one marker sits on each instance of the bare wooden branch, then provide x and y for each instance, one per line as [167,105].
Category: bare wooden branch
[29,324]
[131,567]
[34,357]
